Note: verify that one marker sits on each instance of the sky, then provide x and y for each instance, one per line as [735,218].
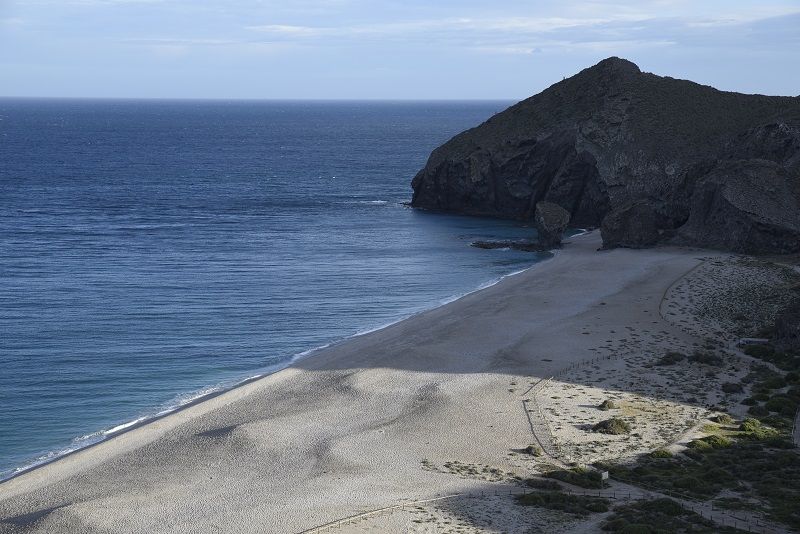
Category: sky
[384,49]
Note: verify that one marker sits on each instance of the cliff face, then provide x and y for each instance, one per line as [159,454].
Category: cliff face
[648,159]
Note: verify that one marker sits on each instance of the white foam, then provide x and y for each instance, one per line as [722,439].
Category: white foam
[368,202]
[123,426]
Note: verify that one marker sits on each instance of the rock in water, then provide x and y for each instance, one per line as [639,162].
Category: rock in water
[551,222]
[650,159]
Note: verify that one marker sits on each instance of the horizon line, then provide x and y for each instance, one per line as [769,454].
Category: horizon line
[257,99]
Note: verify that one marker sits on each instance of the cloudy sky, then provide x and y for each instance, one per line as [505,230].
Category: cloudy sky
[384,49]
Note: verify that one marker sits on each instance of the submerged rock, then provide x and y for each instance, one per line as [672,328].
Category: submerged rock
[551,223]
[525,246]
[650,159]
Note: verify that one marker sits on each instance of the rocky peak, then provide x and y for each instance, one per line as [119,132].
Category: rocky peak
[615,68]
[650,159]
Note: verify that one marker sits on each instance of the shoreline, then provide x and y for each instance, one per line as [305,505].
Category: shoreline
[128,426]
[348,428]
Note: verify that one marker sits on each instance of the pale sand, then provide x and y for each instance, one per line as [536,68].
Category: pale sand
[347,429]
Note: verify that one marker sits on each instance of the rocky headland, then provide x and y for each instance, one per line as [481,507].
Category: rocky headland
[648,159]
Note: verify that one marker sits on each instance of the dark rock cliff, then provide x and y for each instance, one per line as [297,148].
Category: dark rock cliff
[648,159]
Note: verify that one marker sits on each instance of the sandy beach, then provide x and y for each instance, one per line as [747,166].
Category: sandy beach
[434,405]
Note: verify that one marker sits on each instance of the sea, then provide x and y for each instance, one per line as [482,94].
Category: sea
[154,252]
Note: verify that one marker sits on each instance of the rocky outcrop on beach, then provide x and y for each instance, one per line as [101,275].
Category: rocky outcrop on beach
[648,159]
[551,222]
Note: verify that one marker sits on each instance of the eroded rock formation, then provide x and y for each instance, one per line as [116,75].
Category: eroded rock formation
[648,159]
[551,222]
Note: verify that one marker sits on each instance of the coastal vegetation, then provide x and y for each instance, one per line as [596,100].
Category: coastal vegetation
[578,476]
[659,516]
[543,484]
[756,470]
[750,466]
[613,426]
[671,358]
[564,502]
[533,450]
[607,405]
[706,358]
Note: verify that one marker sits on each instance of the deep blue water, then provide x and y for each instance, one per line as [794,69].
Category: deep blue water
[150,251]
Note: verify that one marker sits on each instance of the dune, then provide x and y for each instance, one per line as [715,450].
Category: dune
[357,426]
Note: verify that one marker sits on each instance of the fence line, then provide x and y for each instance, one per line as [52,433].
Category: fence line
[555,452]
[372,513]
[725,519]
[695,505]
[547,441]
[544,436]
[612,494]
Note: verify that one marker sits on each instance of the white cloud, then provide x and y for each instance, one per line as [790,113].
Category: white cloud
[176,41]
[465,24]
[524,35]
[287,30]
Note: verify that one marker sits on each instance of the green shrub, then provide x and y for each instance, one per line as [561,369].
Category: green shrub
[541,484]
[757,411]
[781,404]
[734,503]
[665,507]
[533,450]
[671,358]
[777,421]
[699,445]
[717,442]
[597,506]
[706,358]
[762,352]
[730,387]
[612,426]
[774,382]
[687,483]
[661,453]
[615,525]
[750,425]
[756,430]
[637,529]
[579,476]
[607,405]
[723,419]
[659,516]
[762,472]
[574,504]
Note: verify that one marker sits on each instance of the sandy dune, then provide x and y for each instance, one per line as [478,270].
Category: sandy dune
[369,422]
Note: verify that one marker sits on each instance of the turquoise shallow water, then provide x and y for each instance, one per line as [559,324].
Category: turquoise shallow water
[153,251]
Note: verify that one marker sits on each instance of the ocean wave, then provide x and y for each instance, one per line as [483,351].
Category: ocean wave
[368,202]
